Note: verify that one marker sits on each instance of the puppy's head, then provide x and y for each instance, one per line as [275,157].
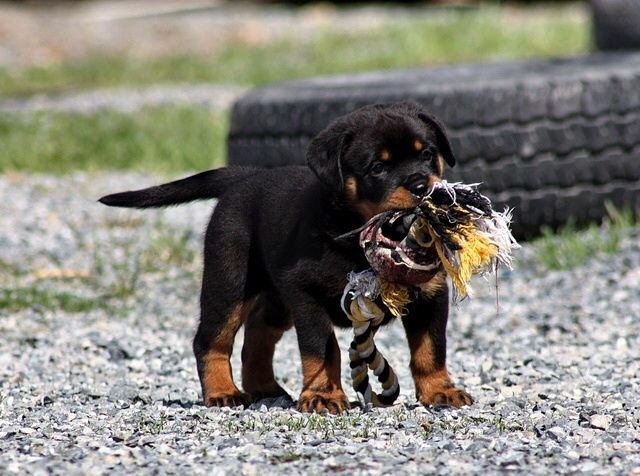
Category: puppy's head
[381,157]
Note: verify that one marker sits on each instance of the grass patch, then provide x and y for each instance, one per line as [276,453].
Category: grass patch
[152,425]
[165,139]
[168,246]
[325,425]
[119,278]
[14,300]
[165,247]
[571,246]
[360,427]
[485,33]
[9,269]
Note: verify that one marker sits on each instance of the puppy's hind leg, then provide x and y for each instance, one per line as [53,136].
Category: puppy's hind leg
[223,309]
[266,323]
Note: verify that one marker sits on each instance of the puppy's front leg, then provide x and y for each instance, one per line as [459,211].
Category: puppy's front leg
[426,328]
[321,388]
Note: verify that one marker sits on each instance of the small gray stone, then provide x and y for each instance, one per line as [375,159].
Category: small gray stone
[601,422]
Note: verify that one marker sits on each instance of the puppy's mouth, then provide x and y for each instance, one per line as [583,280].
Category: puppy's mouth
[398,255]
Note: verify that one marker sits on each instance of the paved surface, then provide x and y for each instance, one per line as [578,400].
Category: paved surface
[98,307]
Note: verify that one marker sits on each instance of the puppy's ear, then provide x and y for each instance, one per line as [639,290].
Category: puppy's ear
[324,157]
[442,141]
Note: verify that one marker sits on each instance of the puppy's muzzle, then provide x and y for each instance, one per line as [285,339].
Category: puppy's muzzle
[418,184]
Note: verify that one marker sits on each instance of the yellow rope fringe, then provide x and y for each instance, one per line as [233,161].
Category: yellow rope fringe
[475,255]
[395,297]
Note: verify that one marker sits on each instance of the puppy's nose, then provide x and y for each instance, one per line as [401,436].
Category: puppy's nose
[417,184]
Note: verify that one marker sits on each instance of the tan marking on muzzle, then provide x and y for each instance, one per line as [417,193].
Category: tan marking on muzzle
[351,188]
[432,180]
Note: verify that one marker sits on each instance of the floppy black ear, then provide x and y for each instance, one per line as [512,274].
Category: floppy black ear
[324,157]
[442,141]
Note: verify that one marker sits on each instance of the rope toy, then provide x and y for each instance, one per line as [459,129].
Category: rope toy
[454,229]
[363,303]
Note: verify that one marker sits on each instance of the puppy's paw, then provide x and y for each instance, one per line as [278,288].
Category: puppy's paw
[447,396]
[232,399]
[334,401]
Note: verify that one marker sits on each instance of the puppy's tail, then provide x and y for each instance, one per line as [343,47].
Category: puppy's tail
[202,186]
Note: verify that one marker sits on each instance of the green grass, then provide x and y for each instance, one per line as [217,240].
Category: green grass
[14,300]
[152,425]
[168,246]
[167,140]
[487,33]
[570,246]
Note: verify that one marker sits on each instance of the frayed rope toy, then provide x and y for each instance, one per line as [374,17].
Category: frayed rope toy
[453,229]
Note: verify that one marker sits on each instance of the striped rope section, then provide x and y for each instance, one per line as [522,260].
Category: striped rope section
[358,303]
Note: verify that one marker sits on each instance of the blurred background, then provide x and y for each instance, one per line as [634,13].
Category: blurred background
[154,79]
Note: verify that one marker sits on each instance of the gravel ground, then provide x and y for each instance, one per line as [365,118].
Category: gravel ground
[98,307]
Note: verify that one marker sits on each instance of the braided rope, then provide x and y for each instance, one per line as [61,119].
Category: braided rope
[358,303]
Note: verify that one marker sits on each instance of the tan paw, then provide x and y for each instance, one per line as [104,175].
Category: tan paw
[451,397]
[232,399]
[334,401]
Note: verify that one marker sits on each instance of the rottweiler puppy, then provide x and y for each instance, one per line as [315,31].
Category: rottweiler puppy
[272,259]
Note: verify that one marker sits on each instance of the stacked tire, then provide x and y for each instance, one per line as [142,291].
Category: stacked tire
[616,24]
[555,139]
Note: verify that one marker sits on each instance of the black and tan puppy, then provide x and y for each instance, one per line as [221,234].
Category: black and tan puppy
[272,261]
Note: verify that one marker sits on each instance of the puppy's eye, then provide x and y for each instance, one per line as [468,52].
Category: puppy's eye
[377,168]
[429,153]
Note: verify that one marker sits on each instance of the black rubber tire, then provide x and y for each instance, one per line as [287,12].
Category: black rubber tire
[616,24]
[555,139]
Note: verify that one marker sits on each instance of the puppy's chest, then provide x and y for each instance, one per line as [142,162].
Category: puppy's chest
[327,275]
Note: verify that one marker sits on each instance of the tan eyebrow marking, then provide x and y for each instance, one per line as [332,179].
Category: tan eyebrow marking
[417,145]
[385,155]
